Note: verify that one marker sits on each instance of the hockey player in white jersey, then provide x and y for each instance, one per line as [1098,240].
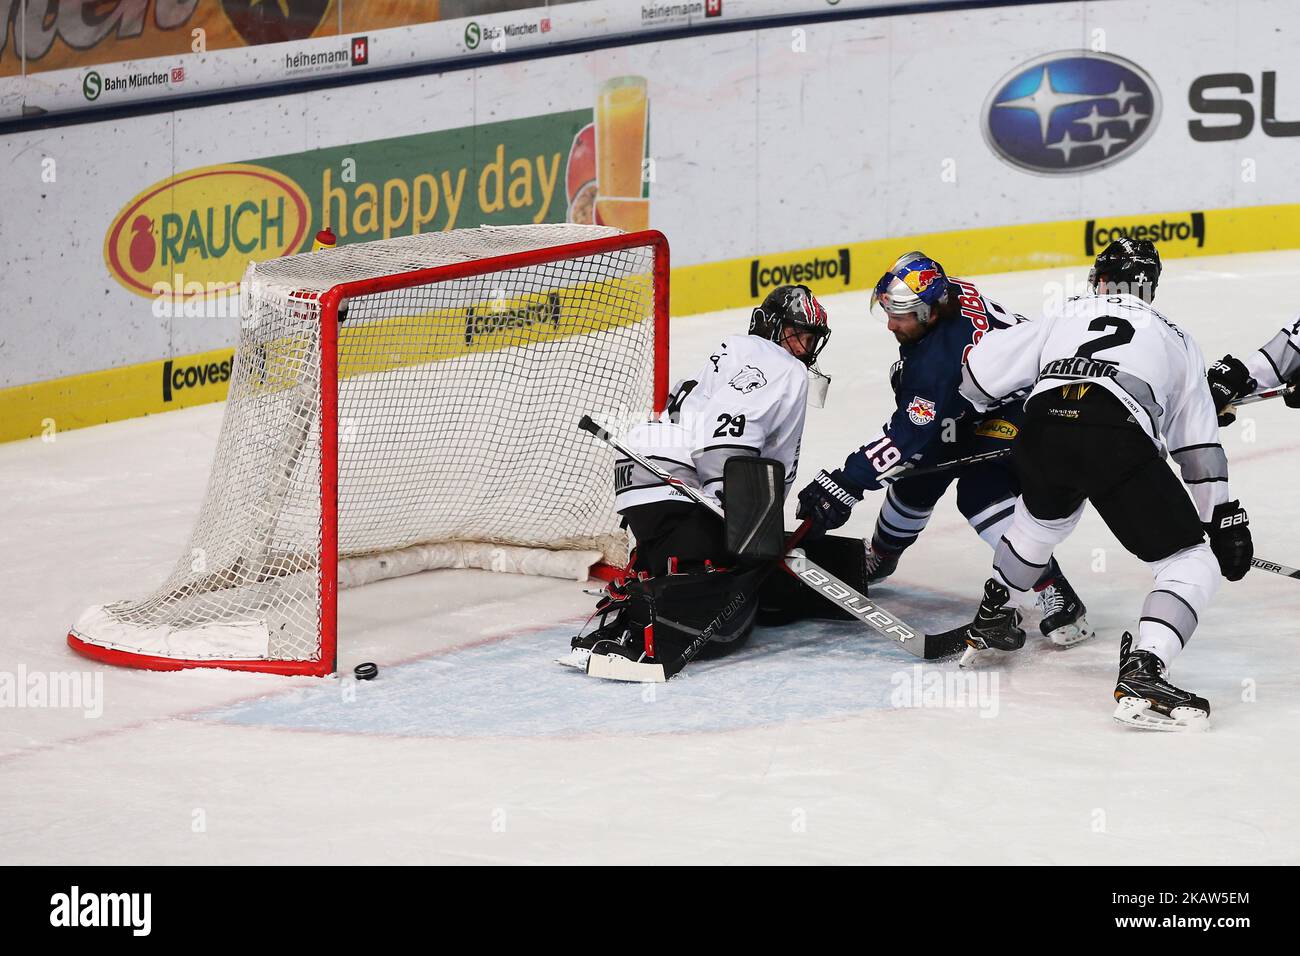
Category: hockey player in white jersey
[748,398]
[1273,364]
[1113,383]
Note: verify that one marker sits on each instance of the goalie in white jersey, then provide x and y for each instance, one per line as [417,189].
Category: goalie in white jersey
[748,398]
[1111,384]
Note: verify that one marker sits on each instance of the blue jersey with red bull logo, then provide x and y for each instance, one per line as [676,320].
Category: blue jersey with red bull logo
[925,389]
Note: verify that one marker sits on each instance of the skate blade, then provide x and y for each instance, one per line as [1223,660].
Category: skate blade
[617,667]
[577,658]
[974,657]
[984,656]
[1137,712]
[1072,634]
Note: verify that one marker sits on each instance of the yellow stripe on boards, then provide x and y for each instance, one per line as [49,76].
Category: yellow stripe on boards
[28,411]
[729,284]
[46,408]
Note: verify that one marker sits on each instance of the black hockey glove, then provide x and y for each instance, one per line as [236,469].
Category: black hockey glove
[1292,398]
[826,502]
[1229,380]
[1229,531]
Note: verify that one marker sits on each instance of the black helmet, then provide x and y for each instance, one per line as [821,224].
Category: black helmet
[792,305]
[1129,265]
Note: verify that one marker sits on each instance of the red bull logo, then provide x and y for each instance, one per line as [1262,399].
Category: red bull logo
[921,410]
[921,279]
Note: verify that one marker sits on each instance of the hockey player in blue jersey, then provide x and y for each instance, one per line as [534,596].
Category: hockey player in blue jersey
[937,320]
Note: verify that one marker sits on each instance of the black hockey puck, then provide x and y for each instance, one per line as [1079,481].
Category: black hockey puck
[366,671]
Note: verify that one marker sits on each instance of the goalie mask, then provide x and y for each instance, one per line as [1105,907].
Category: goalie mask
[794,307]
[915,284]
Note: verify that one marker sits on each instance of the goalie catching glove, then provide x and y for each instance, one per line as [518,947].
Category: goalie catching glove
[826,502]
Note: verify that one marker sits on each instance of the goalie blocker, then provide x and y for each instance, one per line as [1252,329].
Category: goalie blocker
[700,583]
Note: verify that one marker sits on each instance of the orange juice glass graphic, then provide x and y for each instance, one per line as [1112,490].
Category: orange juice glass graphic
[622,110]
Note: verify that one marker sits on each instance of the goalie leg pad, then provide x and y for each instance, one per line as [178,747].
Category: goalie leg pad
[783,599]
[684,606]
[665,615]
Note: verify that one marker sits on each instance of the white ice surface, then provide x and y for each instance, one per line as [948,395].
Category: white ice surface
[473,747]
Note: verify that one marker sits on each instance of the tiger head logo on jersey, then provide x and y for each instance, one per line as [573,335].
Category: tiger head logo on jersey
[748,379]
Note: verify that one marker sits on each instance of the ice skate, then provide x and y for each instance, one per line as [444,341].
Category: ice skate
[1064,620]
[1148,701]
[996,626]
[879,564]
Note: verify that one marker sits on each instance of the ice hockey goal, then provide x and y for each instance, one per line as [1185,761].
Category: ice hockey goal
[401,405]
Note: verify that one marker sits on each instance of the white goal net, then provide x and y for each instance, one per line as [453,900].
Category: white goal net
[400,405]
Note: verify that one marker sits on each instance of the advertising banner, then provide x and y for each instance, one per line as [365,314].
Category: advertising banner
[58,55]
[189,236]
[40,37]
[997,139]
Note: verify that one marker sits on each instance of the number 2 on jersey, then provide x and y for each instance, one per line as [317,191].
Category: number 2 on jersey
[1122,335]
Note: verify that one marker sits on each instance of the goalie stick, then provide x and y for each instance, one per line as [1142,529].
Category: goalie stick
[796,563]
[616,667]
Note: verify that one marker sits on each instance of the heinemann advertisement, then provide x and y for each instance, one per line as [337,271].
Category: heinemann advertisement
[810,154]
[42,37]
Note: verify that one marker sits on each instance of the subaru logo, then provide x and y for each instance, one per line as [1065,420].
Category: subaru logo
[1071,112]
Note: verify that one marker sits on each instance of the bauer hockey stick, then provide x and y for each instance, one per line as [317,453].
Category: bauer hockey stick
[796,563]
[1281,569]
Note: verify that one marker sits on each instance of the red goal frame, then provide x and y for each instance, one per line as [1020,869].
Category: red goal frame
[330,300]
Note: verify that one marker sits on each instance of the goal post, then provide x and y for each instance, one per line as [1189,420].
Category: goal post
[402,405]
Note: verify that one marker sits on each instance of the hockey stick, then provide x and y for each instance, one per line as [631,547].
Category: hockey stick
[797,564]
[1281,569]
[903,471]
[1282,391]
